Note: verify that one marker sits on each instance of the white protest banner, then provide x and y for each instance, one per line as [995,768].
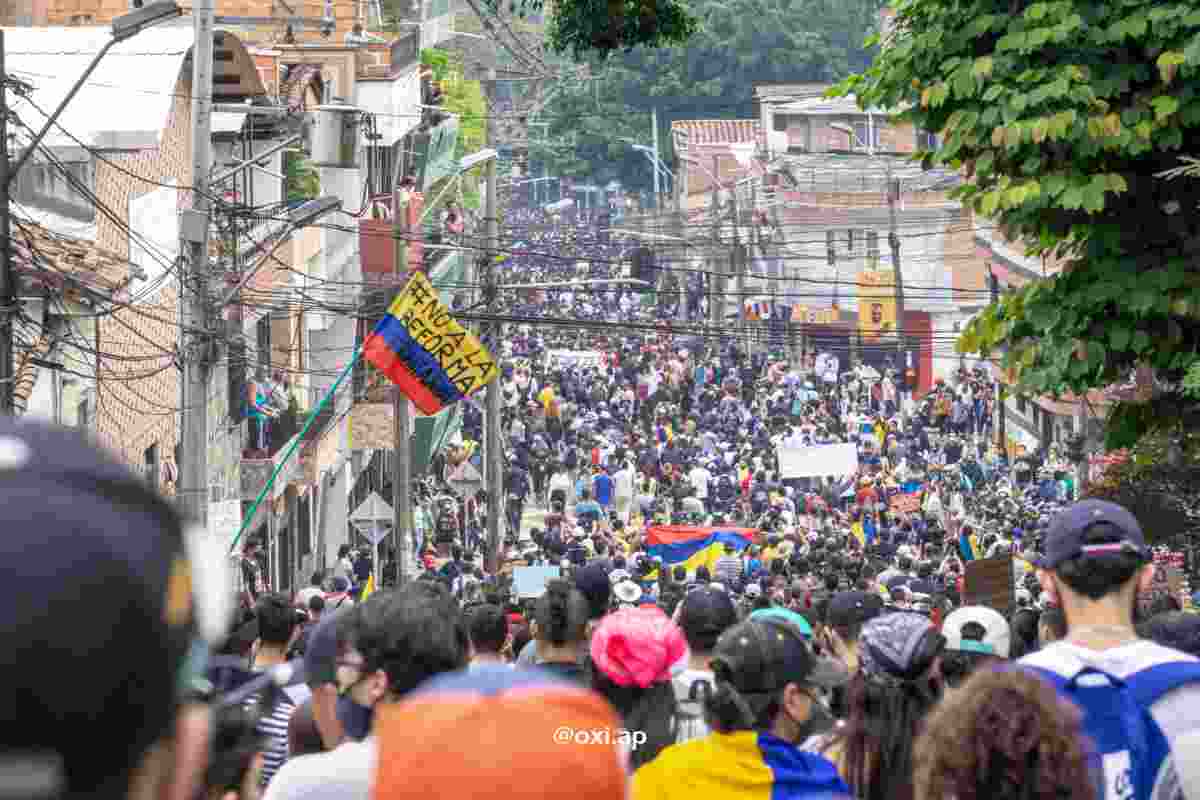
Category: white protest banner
[818,460]
[557,359]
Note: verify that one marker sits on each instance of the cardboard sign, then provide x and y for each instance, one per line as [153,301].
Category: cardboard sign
[989,582]
[905,503]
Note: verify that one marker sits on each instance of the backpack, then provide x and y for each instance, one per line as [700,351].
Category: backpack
[725,490]
[1130,747]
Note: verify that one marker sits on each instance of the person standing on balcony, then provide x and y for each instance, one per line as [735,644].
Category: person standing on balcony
[260,413]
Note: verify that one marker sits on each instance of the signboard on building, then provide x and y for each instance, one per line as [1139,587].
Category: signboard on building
[814,316]
[876,302]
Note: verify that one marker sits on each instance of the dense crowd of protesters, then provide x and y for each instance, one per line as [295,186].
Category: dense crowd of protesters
[838,651]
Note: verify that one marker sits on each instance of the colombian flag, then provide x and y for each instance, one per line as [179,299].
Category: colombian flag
[968,546]
[421,347]
[693,546]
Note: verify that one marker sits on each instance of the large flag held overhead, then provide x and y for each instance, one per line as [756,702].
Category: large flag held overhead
[421,347]
[694,546]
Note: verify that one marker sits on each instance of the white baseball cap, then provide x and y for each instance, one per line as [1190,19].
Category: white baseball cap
[996,636]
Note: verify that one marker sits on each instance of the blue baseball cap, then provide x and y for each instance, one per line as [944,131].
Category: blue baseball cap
[1066,538]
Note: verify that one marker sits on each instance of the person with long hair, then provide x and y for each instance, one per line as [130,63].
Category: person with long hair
[898,682]
[560,623]
[1005,736]
[633,654]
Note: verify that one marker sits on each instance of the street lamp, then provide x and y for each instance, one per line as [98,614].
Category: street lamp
[657,165]
[124,27]
[297,218]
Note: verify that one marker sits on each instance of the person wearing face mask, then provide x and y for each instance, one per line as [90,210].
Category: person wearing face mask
[765,678]
[390,645]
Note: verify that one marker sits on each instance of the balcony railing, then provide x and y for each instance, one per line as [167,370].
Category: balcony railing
[376,240]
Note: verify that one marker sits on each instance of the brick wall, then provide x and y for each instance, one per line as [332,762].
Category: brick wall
[20,12]
[371,426]
[61,12]
[133,414]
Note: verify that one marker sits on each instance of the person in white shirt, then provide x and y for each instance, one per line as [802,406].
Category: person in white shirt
[699,478]
[623,491]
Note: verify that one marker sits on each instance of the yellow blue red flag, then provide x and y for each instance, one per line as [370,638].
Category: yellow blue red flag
[423,350]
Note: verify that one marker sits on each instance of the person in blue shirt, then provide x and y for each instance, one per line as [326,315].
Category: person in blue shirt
[603,486]
[587,507]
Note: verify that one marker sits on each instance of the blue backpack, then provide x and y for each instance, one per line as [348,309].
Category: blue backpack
[1130,747]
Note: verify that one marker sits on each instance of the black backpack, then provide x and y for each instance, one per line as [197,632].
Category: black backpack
[725,490]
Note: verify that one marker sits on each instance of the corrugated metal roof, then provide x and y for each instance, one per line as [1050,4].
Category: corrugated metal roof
[826,106]
[714,132]
[127,98]
[126,102]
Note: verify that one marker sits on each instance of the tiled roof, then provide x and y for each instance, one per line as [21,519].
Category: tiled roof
[714,132]
[56,260]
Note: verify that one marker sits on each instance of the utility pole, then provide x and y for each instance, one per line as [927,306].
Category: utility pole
[492,447]
[751,256]
[401,423]
[716,277]
[7,295]
[893,197]
[492,451]
[999,411]
[657,186]
[194,288]
[737,264]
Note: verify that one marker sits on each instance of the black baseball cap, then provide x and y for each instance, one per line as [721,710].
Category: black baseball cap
[706,614]
[761,656]
[593,583]
[847,609]
[1066,538]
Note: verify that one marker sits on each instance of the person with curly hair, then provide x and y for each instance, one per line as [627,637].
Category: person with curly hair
[1005,736]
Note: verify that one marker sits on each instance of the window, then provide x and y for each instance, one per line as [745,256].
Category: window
[873,249]
[83,411]
[779,123]
[926,140]
[150,465]
[850,240]
[866,136]
[830,247]
[263,341]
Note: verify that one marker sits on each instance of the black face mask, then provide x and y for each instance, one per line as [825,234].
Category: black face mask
[356,719]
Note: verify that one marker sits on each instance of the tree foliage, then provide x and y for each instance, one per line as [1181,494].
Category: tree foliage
[465,99]
[737,44]
[302,181]
[599,28]
[1061,115]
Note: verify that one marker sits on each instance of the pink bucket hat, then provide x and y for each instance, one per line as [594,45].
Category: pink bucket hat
[638,646]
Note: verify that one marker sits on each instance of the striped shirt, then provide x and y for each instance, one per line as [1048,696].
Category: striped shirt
[274,727]
[727,569]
